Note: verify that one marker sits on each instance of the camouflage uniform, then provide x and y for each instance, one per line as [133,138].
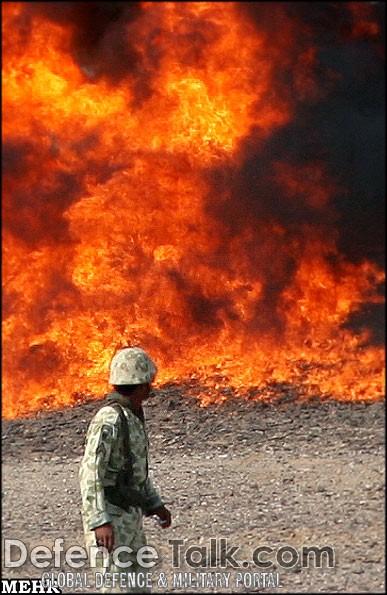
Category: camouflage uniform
[103,458]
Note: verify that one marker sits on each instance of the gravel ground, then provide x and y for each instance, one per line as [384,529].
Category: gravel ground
[246,473]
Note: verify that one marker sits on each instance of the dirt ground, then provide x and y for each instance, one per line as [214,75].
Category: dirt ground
[248,474]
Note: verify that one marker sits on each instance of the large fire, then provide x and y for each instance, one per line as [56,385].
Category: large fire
[170,181]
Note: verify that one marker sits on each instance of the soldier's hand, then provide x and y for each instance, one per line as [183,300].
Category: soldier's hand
[164,515]
[104,535]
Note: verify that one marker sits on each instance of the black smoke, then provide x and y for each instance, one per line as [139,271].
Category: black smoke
[343,128]
[99,40]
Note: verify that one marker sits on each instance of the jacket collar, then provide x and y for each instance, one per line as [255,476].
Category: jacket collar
[115,397]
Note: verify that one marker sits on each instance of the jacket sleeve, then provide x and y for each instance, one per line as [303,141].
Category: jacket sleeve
[100,439]
[152,499]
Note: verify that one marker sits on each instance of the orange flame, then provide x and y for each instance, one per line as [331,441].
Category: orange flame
[110,236]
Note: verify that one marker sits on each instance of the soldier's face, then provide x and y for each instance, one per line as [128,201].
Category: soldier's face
[142,393]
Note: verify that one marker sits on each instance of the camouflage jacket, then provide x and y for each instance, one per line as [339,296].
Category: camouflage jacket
[104,457]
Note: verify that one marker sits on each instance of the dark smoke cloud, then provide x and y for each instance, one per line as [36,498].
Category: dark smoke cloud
[100,43]
[343,129]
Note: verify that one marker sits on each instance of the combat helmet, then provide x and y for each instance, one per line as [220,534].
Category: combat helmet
[132,365]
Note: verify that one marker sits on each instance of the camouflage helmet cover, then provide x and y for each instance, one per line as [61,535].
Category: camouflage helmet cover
[132,365]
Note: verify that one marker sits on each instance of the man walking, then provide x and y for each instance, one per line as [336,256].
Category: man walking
[115,487]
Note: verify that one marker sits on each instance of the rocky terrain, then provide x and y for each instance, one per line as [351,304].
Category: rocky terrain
[288,473]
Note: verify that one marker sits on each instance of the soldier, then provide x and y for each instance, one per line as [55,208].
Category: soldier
[115,487]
